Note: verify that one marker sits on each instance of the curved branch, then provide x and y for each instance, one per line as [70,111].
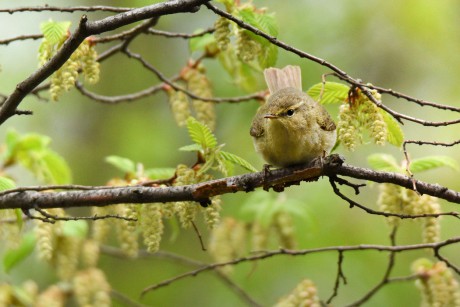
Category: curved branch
[71,9]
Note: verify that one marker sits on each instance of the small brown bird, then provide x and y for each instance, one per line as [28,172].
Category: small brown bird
[291,128]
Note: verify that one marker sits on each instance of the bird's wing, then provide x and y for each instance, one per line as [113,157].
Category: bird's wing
[324,119]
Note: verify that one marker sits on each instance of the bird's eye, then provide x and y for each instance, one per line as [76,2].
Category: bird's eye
[290,112]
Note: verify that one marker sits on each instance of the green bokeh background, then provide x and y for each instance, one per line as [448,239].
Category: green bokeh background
[410,46]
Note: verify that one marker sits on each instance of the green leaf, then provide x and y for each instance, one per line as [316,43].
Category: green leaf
[12,139]
[78,229]
[159,173]
[15,256]
[431,162]
[208,164]
[333,92]
[267,23]
[199,43]
[269,56]
[56,169]
[191,147]
[383,162]
[55,32]
[237,160]
[201,134]
[6,183]
[395,134]
[123,164]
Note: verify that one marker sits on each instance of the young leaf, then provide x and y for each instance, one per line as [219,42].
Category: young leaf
[123,164]
[200,42]
[55,32]
[6,184]
[427,163]
[237,160]
[191,147]
[13,257]
[333,92]
[208,164]
[201,134]
[268,56]
[383,162]
[159,173]
[56,170]
[395,134]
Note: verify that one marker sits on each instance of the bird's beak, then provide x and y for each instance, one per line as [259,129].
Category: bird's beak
[270,115]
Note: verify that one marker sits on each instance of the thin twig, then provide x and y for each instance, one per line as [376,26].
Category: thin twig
[269,254]
[20,38]
[200,238]
[339,276]
[179,35]
[70,9]
[51,218]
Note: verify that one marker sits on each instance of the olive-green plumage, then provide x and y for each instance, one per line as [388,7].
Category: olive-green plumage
[291,128]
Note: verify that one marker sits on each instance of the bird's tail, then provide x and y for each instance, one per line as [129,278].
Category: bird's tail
[289,76]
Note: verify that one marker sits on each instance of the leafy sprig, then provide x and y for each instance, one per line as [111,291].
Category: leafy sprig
[214,157]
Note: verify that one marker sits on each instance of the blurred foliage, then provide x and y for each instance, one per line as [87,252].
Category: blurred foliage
[410,46]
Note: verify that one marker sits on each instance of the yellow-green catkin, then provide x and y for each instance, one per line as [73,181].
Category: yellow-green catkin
[90,65]
[227,242]
[374,122]
[101,228]
[66,256]
[90,253]
[91,288]
[84,58]
[127,230]
[259,236]
[212,212]
[152,226]
[247,49]
[47,235]
[54,296]
[390,201]
[431,225]
[304,295]
[436,283]
[284,227]
[186,210]
[6,294]
[199,84]
[9,229]
[347,128]
[180,106]
[222,32]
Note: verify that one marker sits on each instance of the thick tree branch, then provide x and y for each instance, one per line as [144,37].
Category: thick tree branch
[201,192]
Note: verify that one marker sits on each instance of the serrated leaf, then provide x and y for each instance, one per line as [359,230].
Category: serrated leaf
[56,170]
[395,134]
[191,147]
[6,183]
[383,162]
[333,92]
[15,256]
[237,160]
[77,229]
[267,23]
[199,43]
[123,164]
[55,32]
[431,162]
[159,173]
[201,134]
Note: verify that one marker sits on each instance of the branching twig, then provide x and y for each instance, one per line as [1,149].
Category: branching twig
[71,9]
[265,255]
[179,35]
[339,276]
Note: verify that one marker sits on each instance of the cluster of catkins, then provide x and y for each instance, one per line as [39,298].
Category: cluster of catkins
[198,84]
[83,60]
[229,238]
[74,260]
[358,114]
[436,283]
[148,218]
[395,199]
[304,295]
